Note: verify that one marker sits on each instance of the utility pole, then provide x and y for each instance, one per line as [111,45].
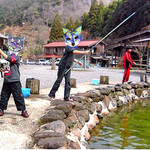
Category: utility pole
[53,63]
[148,54]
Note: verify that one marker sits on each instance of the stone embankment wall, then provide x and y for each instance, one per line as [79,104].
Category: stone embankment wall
[67,125]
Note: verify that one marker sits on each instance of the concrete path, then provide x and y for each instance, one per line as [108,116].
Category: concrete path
[16,131]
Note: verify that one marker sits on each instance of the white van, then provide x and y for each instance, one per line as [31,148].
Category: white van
[48,62]
[41,62]
[29,62]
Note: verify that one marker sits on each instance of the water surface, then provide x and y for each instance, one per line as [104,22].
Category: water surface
[125,128]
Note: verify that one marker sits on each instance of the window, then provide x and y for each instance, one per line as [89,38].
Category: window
[55,50]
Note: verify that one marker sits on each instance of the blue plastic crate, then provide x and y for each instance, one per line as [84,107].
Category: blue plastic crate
[26,92]
[95,81]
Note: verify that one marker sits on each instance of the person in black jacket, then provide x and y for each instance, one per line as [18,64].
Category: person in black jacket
[12,85]
[64,64]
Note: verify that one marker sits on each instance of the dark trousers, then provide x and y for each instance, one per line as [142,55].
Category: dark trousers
[60,75]
[13,88]
[126,74]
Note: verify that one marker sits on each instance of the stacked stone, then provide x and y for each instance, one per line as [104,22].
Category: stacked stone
[67,125]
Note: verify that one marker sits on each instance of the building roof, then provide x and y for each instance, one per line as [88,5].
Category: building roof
[81,44]
[143,40]
[111,47]
[132,35]
[56,44]
[114,46]
[50,56]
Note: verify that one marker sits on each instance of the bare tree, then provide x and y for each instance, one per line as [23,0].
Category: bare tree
[139,48]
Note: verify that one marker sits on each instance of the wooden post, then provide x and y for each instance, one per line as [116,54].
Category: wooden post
[33,84]
[148,54]
[73,82]
[111,62]
[104,79]
[146,79]
[142,78]
[85,62]
[53,64]
[115,57]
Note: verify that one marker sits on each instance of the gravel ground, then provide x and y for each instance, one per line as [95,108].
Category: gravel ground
[19,130]
[47,76]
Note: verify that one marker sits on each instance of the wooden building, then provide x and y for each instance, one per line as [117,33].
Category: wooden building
[56,49]
[2,42]
[140,49]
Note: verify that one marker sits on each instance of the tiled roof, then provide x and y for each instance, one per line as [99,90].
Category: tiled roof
[114,46]
[143,40]
[55,44]
[111,47]
[50,56]
[81,44]
[131,35]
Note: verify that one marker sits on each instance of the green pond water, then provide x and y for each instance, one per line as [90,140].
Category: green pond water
[126,128]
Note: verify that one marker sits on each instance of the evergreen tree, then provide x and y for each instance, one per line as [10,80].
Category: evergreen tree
[56,32]
[70,24]
[134,24]
[1,14]
[84,21]
[1,17]
[92,18]
[76,24]
[108,15]
[100,18]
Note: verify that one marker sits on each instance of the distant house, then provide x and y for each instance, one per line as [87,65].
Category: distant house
[3,39]
[2,42]
[56,49]
[140,49]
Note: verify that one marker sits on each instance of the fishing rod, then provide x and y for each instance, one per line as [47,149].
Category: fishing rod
[106,36]
[102,39]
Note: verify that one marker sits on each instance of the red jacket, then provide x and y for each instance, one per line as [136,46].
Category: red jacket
[127,60]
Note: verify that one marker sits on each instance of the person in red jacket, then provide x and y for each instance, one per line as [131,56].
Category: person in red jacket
[127,65]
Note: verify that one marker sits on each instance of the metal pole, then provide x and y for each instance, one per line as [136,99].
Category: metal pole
[115,57]
[148,54]
[85,62]
[103,39]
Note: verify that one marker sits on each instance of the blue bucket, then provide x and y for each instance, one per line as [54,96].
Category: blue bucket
[26,92]
[95,81]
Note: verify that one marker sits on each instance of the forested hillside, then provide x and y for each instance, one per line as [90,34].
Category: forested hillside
[15,12]
[136,23]
[39,20]
[33,19]
[100,20]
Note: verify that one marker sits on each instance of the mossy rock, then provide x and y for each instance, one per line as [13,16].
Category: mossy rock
[52,115]
[65,107]
[138,92]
